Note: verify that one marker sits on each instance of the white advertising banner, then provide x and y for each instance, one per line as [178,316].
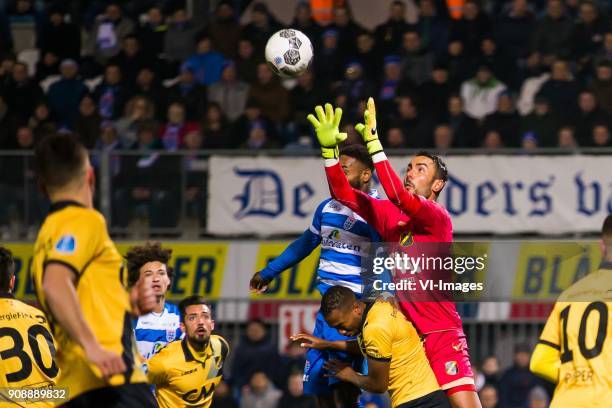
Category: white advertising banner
[484,194]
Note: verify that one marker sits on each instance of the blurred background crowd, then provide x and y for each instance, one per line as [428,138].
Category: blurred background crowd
[145,74]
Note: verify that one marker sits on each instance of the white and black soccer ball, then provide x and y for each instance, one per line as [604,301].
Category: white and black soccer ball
[289,53]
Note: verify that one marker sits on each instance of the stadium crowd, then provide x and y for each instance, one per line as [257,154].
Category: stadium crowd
[147,76]
[143,75]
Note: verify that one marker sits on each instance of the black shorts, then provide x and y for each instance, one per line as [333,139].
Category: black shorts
[436,399]
[122,396]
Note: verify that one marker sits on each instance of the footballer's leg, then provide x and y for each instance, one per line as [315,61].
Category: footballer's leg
[448,357]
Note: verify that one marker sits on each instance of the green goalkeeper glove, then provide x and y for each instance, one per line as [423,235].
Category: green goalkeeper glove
[326,127]
[368,131]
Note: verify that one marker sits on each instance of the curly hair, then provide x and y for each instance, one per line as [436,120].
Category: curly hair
[140,255]
[336,297]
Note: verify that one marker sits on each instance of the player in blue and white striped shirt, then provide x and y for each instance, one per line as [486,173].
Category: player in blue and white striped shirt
[344,238]
[162,326]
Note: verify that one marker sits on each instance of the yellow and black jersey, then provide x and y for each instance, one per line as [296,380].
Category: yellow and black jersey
[580,330]
[386,335]
[76,237]
[27,349]
[184,377]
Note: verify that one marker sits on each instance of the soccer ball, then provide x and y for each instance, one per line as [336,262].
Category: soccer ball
[289,53]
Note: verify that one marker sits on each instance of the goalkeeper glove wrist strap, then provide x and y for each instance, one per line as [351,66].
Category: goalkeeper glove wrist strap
[330,152]
[374,146]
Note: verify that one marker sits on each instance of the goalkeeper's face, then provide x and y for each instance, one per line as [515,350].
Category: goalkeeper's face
[357,174]
[198,324]
[421,177]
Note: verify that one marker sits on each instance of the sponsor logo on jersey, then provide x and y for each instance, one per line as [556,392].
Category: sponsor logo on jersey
[170,334]
[66,244]
[451,367]
[457,346]
[406,239]
[335,206]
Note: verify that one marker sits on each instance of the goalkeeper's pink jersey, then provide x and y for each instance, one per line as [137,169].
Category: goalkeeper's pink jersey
[426,221]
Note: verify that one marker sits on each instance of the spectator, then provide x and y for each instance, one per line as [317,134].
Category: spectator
[61,38]
[480,94]
[416,125]
[438,89]
[147,85]
[304,22]
[294,396]
[588,33]
[222,398]
[515,29]
[88,122]
[247,61]
[195,167]
[566,139]
[390,84]
[542,123]
[553,32]
[258,137]
[458,63]
[471,29]
[417,61]
[465,129]
[432,27]
[488,396]
[490,369]
[602,85]
[517,381]
[225,30]
[215,127]
[328,62]
[357,88]
[347,31]
[172,133]
[291,361]
[254,353]
[47,66]
[41,122]
[536,76]
[601,136]
[260,393]
[561,90]
[109,141]
[589,114]
[21,92]
[241,128]
[270,94]
[6,71]
[8,125]
[179,42]
[306,94]
[395,138]
[137,110]
[230,93]
[529,142]
[605,52]
[538,398]
[151,34]
[505,120]
[109,31]
[65,95]
[492,140]
[389,35]
[189,92]
[443,137]
[261,27]
[111,94]
[206,64]
[503,66]
[131,59]
[367,55]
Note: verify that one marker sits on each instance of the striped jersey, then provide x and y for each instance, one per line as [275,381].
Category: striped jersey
[154,330]
[345,239]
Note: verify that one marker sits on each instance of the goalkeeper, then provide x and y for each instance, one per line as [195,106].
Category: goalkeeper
[411,214]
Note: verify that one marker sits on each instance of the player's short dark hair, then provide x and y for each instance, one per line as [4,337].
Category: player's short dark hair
[7,269]
[336,297]
[359,153]
[59,159]
[441,170]
[150,252]
[190,301]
